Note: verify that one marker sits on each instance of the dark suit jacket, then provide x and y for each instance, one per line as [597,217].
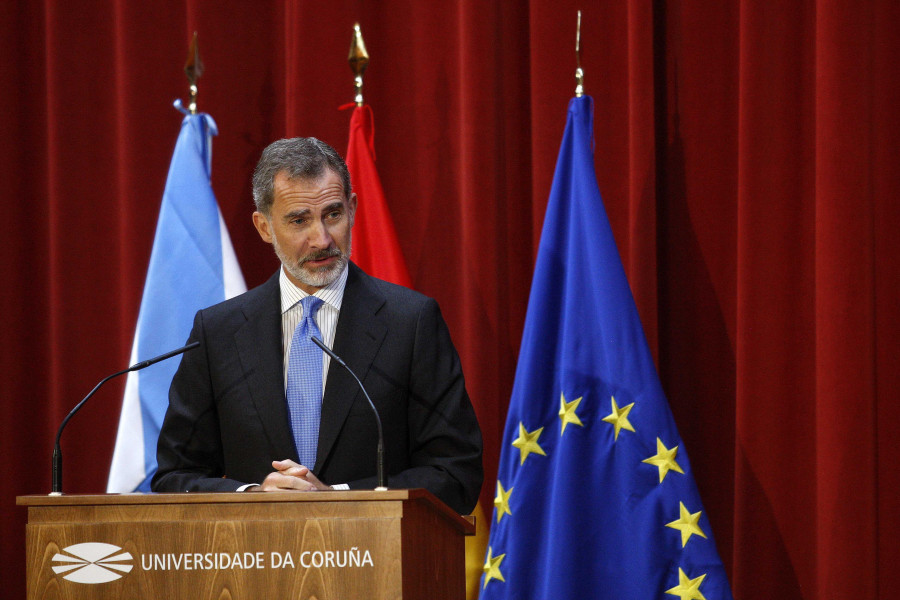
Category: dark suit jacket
[227,417]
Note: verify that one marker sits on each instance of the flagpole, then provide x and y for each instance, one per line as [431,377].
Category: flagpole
[359,60]
[193,68]
[579,73]
[563,463]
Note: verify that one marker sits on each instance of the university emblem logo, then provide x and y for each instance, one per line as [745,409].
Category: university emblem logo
[93,562]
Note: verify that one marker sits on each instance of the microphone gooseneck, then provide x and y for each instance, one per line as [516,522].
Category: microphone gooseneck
[56,468]
[379,464]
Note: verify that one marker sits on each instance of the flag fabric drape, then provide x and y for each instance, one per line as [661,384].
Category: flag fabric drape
[375,246]
[192,266]
[595,493]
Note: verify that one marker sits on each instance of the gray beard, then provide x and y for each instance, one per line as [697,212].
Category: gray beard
[319,277]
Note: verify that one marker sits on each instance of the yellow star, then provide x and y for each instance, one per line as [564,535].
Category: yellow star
[502,501]
[492,567]
[664,460]
[687,589]
[687,524]
[527,442]
[619,417]
[567,412]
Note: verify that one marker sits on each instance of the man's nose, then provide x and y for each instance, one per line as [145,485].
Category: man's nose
[319,236]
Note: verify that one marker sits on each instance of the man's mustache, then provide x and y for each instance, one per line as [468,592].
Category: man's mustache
[321,255]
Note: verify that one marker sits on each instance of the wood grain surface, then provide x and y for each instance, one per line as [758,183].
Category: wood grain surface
[342,545]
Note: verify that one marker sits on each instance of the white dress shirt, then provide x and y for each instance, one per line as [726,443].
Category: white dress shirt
[326,318]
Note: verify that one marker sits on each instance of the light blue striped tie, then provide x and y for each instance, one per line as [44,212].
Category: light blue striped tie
[304,386]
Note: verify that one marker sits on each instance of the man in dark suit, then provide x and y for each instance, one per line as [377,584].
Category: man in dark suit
[232,426]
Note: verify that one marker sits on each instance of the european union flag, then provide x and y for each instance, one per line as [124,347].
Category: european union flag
[595,495]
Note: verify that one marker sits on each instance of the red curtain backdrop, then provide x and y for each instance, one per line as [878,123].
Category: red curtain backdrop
[746,152]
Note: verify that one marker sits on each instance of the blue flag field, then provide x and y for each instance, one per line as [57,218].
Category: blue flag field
[595,496]
[192,266]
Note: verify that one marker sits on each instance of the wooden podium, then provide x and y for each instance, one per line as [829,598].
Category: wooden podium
[326,545]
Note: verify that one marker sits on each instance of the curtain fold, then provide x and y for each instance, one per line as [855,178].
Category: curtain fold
[746,154]
[775,352]
[845,277]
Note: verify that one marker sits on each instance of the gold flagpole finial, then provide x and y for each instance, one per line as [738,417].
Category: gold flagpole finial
[359,60]
[193,68]
[579,74]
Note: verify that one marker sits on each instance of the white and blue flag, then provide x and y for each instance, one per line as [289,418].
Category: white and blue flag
[192,266]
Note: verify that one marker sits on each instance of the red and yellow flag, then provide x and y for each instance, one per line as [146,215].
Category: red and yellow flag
[375,246]
[377,251]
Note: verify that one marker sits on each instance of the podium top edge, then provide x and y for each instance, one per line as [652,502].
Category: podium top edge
[395,495]
[221,497]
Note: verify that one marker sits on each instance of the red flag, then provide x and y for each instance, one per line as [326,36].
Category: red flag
[375,246]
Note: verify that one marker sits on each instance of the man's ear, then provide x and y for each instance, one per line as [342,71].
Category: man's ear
[261,222]
[352,203]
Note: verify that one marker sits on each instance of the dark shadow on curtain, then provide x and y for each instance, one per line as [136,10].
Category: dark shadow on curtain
[760,537]
[696,359]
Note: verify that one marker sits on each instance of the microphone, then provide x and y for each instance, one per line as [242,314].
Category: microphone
[379,464]
[56,475]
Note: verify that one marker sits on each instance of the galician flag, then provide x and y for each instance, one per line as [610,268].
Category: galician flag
[192,266]
[595,496]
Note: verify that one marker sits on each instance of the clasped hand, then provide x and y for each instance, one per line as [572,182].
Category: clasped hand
[290,477]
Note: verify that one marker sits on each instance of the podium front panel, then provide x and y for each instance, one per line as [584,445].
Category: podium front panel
[219,546]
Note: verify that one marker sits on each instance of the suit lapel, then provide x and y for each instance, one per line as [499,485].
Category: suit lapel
[359,334]
[260,349]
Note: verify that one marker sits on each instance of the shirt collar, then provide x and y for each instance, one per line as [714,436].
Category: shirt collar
[332,294]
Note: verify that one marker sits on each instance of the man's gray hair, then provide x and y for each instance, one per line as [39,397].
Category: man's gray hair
[298,158]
